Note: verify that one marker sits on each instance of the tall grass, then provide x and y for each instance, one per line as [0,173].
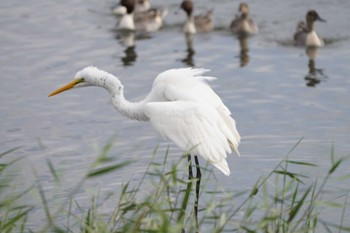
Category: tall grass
[13,217]
[281,201]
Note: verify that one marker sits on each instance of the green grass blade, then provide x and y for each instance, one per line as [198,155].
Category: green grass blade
[301,163]
[10,223]
[9,151]
[52,170]
[297,207]
[107,169]
[343,212]
[335,166]
[292,175]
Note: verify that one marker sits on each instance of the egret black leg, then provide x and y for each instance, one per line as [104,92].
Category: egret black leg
[189,187]
[190,173]
[198,183]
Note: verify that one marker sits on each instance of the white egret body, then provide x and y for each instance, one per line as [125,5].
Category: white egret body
[181,107]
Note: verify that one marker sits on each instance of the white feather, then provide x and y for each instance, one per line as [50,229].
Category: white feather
[191,115]
[181,107]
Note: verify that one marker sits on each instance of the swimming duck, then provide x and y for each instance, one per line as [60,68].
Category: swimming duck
[243,24]
[126,22]
[306,34]
[199,23]
[148,21]
[140,6]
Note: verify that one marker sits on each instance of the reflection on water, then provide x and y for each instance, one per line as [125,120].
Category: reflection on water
[129,57]
[243,45]
[188,60]
[315,75]
[127,39]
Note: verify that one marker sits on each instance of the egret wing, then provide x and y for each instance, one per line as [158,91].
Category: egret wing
[202,94]
[194,127]
[190,85]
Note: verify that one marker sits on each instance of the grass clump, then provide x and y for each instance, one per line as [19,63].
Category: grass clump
[285,200]
[13,216]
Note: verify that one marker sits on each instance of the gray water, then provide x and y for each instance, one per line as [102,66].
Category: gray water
[270,91]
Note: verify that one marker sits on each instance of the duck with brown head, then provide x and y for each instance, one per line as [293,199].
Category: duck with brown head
[140,6]
[126,22]
[148,21]
[243,24]
[306,34]
[199,23]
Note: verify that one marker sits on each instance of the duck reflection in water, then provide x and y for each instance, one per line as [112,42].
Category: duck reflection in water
[188,60]
[244,49]
[315,75]
[127,39]
[243,26]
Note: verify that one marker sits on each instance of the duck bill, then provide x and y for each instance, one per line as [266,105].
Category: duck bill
[64,88]
[320,19]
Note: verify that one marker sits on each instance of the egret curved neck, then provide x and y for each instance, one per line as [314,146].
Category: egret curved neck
[132,110]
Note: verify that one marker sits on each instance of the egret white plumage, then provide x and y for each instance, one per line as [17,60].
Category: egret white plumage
[181,107]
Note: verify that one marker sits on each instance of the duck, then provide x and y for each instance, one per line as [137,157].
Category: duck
[140,6]
[126,22]
[148,21]
[199,23]
[243,24]
[305,34]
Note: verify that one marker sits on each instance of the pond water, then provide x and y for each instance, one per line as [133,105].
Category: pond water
[276,95]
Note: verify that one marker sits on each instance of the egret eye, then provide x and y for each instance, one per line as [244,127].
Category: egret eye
[80,80]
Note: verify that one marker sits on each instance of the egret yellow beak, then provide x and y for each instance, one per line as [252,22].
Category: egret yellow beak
[65,87]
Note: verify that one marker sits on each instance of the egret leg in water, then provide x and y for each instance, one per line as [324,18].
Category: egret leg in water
[198,183]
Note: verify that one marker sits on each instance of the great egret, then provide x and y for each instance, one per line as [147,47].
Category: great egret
[198,23]
[243,24]
[306,34]
[181,107]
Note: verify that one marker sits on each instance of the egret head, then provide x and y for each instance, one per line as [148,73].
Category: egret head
[89,76]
